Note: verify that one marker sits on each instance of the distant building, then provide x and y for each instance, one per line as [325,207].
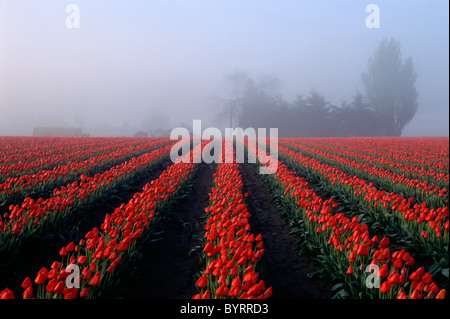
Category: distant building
[58,131]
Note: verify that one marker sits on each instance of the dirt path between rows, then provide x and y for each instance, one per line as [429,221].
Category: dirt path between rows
[166,270]
[283,268]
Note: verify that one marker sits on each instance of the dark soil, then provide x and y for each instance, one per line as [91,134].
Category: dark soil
[167,269]
[282,267]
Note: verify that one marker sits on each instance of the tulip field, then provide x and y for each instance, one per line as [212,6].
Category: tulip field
[350,218]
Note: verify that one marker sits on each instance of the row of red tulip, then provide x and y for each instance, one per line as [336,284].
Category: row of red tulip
[48,179]
[99,253]
[15,149]
[419,189]
[27,216]
[394,169]
[34,154]
[351,250]
[231,250]
[429,153]
[428,227]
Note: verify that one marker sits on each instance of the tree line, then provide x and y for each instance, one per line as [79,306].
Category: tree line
[387,105]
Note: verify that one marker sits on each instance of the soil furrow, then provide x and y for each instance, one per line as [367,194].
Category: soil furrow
[283,268]
[166,269]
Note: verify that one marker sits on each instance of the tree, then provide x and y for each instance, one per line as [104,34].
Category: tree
[230,107]
[298,122]
[390,89]
[259,109]
[252,103]
[316,113]
[358,118]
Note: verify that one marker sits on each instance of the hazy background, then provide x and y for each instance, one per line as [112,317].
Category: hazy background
[133,64]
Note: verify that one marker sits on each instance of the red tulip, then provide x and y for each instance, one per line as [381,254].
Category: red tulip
[222,279]
[420,286]
[7,294]
[206,294]
[242,261]
[70,247]
[56,264]
[26,283]
[63,251]
[416,295]
[268,293]
[40,279]
[50,287]
[254,290]
[394,278]
[248,269]
[70,293]
[246,286]
[95,280]
[362,250]
[234,291]
[208,247]
[426,278]
[433,288]
[441,294]
[383,271]
[81,259]
[417,275]
[84,293]
[60,286]
[384,242]
[406,257]
[202,281]
[398,264]
[53,273]
[236,282]
[385,255]
[28,293]
[385,287]
[222,291]
[402,295]
[86,273]
[352,257]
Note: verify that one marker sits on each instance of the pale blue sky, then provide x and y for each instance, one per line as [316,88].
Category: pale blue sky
[131,59]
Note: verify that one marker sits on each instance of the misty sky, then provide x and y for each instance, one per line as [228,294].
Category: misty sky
[131,61]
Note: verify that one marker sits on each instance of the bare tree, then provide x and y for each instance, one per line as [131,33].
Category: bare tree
[230,107]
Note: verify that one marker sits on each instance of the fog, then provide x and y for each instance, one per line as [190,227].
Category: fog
[139,65]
